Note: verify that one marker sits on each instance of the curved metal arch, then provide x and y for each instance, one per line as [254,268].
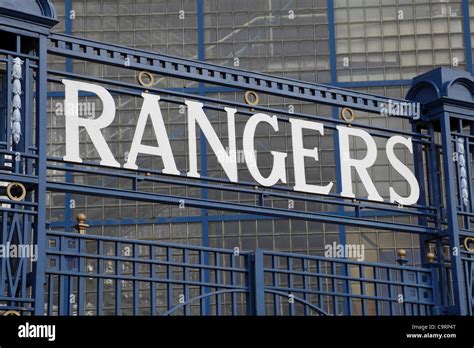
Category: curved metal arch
[200,297]
[420,86]
[40,8]
[298,299]
[47,8]
[468,84]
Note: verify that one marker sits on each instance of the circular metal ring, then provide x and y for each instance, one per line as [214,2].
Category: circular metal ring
[16,191]
[347,114]
[11,312]
[468,240]
[144,76]
[251,98]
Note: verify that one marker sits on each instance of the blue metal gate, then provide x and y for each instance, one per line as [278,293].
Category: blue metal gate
[81,274]
[93,275]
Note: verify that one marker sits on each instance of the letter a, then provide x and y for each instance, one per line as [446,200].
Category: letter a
[151,108]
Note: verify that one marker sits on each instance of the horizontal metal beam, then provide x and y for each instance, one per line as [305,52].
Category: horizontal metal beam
[276,191]
[197,218]
[140,60]
[235,207]
[120,87]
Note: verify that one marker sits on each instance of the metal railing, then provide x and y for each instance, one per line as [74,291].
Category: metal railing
[96,275]
[289,284]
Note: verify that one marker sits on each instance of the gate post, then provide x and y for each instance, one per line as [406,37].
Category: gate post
[259,283]
[24,27]
[447,99]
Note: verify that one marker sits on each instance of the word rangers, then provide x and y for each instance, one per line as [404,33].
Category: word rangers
[228,157]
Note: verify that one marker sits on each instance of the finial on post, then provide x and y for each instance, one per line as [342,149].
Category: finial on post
[402,257]
[430,257]
[81,225]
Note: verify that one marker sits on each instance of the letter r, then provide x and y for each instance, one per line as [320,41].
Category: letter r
[93,127]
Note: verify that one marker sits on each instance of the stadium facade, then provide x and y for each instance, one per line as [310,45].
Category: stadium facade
[154,243]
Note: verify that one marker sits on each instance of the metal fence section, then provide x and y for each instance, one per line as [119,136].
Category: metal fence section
[95,275]
[79,274]
[290,284]
[91,275]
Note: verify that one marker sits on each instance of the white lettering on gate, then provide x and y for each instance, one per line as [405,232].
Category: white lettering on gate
[92,126]
[360,165]
[228,160]
[227,156]
[299,154]
[151,108]
[278,171]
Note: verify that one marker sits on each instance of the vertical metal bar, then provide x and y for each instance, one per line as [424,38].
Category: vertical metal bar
[259,285]
[9,102]
[169,277]
[153,281]
[25,267]
[404,303]
[118,281]
[50,305]
[444,290]
[63,284]
[186,279]
[3,260]
[275,275]
[233,282]
[420,176]
[467,34]
[320,285]
[335,115]
[376,292]
[348,290]
[69,69]
[362,289]
[28,117]
[459,307]
[250,271]
[335,306]
[42,135]
[218,271]
[203,278]
[390,292]
[469,182]
[100,283]
[135,283]
[203,145]
[306,286]
[289,265]
[81,280]
[435,283]
[435,175]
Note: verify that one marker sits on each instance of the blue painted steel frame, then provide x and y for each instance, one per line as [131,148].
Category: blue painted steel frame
[203,89]
[286,88]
